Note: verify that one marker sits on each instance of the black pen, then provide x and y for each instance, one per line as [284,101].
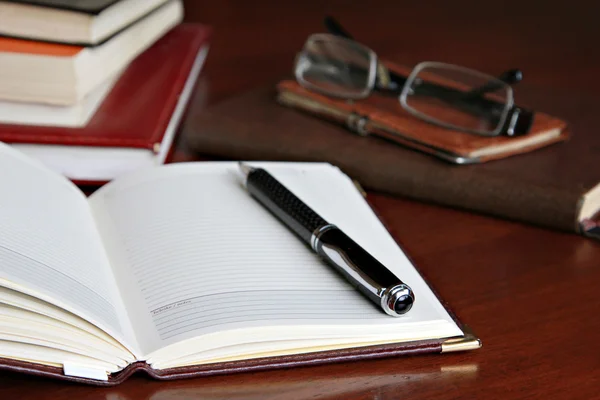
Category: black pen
[360,268]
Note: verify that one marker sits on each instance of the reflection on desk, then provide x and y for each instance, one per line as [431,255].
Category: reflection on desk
[340,381]
[381,379]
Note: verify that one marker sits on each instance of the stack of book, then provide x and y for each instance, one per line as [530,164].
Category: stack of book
[96,88]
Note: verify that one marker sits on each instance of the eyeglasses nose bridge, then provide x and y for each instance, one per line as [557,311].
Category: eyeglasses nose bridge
[383,75]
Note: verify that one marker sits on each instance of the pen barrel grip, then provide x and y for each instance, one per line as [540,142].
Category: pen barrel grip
[283,204]
[363,271]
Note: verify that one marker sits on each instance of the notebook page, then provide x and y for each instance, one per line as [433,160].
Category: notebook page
[194,254]
[49,246]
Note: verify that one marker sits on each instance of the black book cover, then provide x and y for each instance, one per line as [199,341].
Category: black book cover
[83,6]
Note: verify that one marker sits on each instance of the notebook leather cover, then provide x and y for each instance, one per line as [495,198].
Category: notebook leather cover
[469,342]
[543,187]
[463,343]
[136,112]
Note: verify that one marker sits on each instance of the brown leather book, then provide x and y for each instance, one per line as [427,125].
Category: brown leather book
[555,187]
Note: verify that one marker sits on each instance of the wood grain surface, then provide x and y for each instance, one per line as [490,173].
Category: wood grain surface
[530,294]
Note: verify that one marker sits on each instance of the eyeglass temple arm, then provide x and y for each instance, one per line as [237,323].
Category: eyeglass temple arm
[388,82]
[509,77]
[335,28]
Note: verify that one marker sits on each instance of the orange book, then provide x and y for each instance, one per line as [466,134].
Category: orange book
[10,45]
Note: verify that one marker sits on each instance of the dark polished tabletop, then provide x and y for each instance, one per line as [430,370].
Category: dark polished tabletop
[530,294]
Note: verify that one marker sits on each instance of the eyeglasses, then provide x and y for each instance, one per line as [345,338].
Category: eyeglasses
[446,95]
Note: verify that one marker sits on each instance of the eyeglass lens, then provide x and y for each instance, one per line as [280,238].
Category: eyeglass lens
[339,67]
[452,96]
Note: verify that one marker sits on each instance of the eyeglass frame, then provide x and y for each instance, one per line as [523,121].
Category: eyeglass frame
[433,64]
[520,120]
[515,121]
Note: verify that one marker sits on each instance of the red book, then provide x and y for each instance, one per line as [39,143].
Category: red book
[135,125]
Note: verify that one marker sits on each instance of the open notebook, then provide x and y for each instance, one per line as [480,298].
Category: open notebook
[178,271]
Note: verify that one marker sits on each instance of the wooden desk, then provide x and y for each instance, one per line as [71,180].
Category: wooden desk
[530,294]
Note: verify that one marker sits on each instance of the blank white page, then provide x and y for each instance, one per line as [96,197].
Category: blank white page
[49,246]
[194,254]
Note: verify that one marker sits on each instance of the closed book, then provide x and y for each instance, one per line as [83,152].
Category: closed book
[135,125]
[85,23]
[59,74]
[177,271]
[556,187]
